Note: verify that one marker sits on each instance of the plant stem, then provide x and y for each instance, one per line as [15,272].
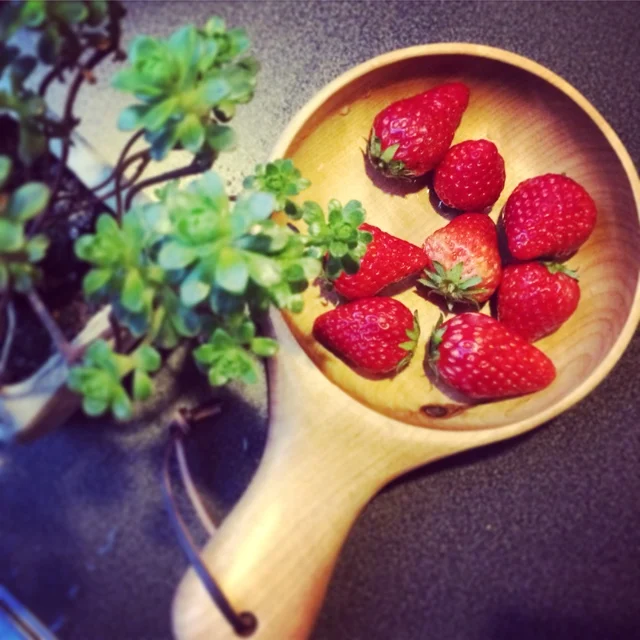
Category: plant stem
[50,325]
[189,170]
[55,72]
[145,159]
[8,335]
[197,166]
[134,138]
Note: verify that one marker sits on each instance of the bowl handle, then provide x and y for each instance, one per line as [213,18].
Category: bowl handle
[274,554]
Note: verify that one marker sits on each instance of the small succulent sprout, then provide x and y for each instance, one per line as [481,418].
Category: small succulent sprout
[281,179]
[183,82]
[337,239]
[20,253]
[232,352]
[101,376]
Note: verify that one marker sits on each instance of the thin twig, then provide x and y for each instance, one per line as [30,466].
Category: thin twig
[130,181]
[56,72]
[196,166]
[136,136]
[8,337]
[50,325]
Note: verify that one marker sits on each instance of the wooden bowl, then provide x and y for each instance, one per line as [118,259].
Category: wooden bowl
[336,438]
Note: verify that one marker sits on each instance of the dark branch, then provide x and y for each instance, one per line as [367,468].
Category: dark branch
[196,166]
[144,158]
[134,138]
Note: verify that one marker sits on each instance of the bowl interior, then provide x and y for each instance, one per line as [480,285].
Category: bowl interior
[538,129]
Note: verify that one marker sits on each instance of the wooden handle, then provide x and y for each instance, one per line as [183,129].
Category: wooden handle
[275,553]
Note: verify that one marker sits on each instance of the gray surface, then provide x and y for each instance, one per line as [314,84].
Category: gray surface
[534,539]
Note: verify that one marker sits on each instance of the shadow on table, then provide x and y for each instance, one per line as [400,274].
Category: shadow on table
[549,625]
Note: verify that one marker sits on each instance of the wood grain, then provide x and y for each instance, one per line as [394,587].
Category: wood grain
[336,438]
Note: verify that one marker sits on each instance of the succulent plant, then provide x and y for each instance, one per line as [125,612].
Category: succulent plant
[188,84]
[19,253]
[281,179]
[100,379]
[194,264]
[338,238]
[230,353]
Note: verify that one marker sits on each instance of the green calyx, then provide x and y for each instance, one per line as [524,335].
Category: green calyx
[187,85]
[19,253]
[556,267]
[410,345]
[382,159]
[451,286]
[434,344]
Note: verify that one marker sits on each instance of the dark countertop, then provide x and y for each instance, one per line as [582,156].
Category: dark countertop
[538,538]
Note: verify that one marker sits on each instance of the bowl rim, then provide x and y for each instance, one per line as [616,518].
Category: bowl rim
[539,70]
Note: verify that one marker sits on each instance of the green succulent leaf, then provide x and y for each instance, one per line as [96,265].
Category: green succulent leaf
[264,347]
[175,255]
[232,271]
[146,358]
[28,201]
[142,385]
[5,169]
[36,248]
[11,236]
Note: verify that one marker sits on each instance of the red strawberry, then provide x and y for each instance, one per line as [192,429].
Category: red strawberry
[535,298]
[550,216]
[465,260]
[470,176]
[483,359]
[410,136]
[376,335]
[388,259]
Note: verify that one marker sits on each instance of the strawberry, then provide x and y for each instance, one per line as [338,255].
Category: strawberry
[410,136]
[388,259]
[535,298]
[484,359]
[464,260]
[549,216]
[470,176]
[375,335]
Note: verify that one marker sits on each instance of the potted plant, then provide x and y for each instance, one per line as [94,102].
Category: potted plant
[99,284]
